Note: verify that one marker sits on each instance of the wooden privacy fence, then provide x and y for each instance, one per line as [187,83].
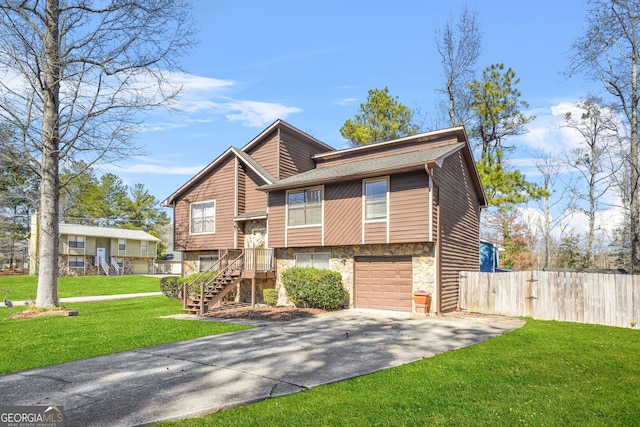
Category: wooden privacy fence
[604,299]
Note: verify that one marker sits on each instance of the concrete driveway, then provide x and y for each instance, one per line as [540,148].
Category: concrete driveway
[195,377]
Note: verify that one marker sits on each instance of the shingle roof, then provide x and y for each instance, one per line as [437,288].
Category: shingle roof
[115,233]
[365,168]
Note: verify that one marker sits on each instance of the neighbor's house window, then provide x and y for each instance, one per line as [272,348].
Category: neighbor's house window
[206,262]
[76,242]
[143,248]
[375,199]
[76,261]
[203,217]
[304,207]
[122,244]
[317,260]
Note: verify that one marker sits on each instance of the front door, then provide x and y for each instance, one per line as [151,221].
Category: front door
[101,256]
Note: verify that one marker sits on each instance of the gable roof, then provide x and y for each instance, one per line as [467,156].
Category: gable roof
[403,162]
[245,158]
[110,232]
[445,143]
[284,125]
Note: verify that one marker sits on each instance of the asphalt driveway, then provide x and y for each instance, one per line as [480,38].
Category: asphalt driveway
[195,377]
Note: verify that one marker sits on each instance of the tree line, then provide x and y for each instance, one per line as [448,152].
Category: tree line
[581,180]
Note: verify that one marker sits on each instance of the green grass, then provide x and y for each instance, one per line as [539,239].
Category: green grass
[544,374]
[25,287]
[101,328]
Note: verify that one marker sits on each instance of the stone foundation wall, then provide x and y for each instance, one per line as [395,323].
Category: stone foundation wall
[342,261]
[89,268]
[261,284]
[190,261]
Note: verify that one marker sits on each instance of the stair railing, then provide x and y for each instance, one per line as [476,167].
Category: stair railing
[116,267]
[104,266]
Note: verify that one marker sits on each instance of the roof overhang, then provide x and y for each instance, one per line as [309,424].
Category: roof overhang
[242,156]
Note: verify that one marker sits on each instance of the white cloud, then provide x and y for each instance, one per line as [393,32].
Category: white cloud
[346,101]
[256,113]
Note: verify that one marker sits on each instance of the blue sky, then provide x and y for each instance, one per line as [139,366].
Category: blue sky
[312,63]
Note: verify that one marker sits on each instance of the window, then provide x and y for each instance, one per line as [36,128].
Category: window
[143,248]
[203,217]
[122,244]
[304,207]
[375,200]
[206,262]
[317,260]
[76,242]
[76,261]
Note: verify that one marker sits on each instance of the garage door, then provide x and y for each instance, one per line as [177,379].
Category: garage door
[383,283]
[140,266]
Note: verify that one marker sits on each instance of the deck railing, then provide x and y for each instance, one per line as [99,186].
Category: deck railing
[259,260]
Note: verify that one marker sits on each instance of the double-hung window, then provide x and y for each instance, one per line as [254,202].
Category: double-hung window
[76,242]
[76,261]
[203,217]
[375,199]
[304,207]
[317,260]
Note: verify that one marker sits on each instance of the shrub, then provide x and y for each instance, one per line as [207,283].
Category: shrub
[270,297]
[313,287]
[171,287]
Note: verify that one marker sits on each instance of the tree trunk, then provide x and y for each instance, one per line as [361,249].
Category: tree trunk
[47,294]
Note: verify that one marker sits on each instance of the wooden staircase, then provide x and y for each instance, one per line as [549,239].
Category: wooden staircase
[208,288]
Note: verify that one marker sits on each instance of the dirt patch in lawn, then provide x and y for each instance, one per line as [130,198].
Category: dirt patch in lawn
[27,314]
[275,314]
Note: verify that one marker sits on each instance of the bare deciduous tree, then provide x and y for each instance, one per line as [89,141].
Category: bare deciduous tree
[609,52]
[74,77]
[598,132]
[459,47]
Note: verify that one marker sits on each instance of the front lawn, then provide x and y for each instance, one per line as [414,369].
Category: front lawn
[544,374]
[101,328]
[25,287]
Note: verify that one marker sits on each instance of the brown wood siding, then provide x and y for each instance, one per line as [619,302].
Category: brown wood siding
[382,151]
[375,232]
[255,201]
[266,154]
[218,186]
[295,154]
[276,219]
[409,207]
[241,188]
[459,227]
[343,213]
[304,237]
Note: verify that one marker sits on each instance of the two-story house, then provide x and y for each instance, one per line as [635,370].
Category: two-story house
[394,217]
[90,251]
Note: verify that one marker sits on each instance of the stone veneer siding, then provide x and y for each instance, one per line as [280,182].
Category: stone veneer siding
[190,261]
[89,268]
[342,261]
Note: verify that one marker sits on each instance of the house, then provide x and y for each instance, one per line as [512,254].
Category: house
[394,218]
[88,251]
[489,256]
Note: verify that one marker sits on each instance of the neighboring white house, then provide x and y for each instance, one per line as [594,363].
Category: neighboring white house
[88,251]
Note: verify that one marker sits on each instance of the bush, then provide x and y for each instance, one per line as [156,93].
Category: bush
[171,287]
[313,287]
[270,297]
